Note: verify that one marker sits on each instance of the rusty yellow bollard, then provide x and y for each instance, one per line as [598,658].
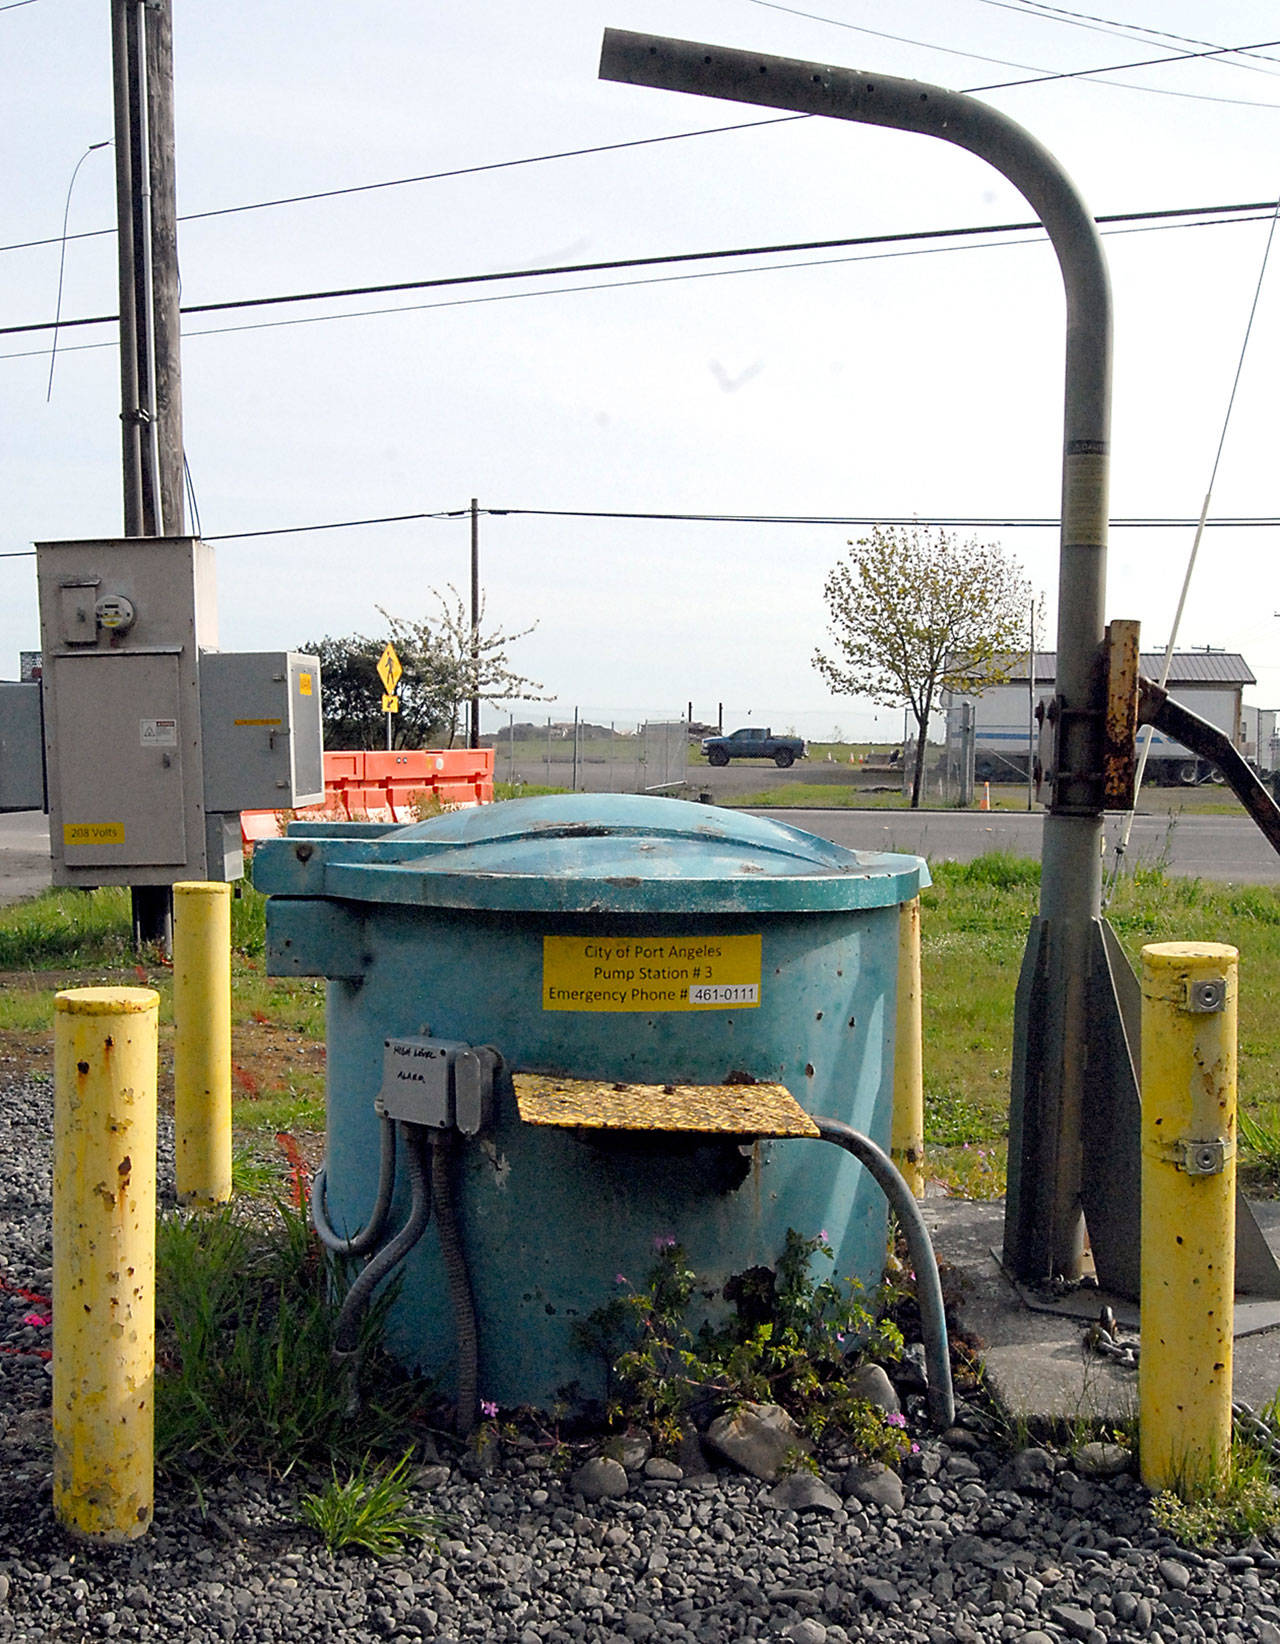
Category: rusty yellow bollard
[104,1241]
[906,1147]
[202,1041]
[1188,1213]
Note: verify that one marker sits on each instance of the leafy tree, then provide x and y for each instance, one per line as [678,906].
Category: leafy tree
[443,669]
[913,613]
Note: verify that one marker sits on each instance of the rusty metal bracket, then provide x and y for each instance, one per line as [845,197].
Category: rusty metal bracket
[1120,725]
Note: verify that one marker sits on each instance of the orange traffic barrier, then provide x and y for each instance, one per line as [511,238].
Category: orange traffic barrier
[375,786]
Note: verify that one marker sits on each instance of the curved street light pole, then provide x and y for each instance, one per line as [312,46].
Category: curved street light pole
[1044,1226]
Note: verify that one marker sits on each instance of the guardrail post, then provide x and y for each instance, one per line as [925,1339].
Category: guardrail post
[104,1234]
[1188,1213]
[906,1147]
[202,1041]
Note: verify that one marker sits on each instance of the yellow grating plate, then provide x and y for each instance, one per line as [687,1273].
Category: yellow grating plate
[734,1110]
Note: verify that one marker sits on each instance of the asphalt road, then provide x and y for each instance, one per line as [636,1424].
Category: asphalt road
[1198,847]
[1205,847]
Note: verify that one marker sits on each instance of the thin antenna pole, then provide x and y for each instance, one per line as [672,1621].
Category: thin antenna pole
[1122,844]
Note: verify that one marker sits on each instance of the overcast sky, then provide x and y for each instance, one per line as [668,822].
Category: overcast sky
[921,380]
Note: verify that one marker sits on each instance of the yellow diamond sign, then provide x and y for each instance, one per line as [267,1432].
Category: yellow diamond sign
[389,669]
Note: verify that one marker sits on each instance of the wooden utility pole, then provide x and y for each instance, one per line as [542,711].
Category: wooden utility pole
[150,324]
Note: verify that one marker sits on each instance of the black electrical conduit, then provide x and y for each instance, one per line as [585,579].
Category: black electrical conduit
[429,1187]
[346,1336]
[933,1318]
[361,1243]
[460,1297]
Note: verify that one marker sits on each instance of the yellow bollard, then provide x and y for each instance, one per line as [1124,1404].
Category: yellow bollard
[1188,1213]
[104,1243]
[202,1041]
[906,1147]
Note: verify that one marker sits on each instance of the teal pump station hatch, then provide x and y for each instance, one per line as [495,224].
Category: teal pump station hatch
[644,946]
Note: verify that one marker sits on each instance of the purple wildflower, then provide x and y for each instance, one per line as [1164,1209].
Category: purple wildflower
[664,1241]
[895,1419]
[488,1407]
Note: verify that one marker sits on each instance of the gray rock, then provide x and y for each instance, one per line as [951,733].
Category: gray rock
[758,1438]
[807,1631]
[1075,1622]
[870,1382]
[659,1467]
[600,1477]
[689,1454]
[803,1492]
[632,1450]
[1032,1470]
[883,1594]
[432,1477]
[1174,1575]
[1268,1633]
[1102,1460]
[874,1483]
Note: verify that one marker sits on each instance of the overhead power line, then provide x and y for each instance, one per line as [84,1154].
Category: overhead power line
[616,264]
[1141,32]
[954,522]
[681,136]
[427,176]
[1045,76]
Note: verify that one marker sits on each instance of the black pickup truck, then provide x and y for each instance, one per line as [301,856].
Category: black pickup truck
[752,742]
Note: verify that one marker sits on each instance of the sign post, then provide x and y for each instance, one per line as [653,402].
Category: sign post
[389,672]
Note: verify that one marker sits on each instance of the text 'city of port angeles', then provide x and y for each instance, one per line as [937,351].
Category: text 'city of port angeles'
[622,973]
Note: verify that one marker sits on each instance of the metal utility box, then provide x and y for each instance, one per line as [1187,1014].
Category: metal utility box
[122,624]
[614,939]
[260,718]
[21,748]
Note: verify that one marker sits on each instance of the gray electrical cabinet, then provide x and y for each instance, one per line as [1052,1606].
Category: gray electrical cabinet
[260,716]
[154,740]
[21,748]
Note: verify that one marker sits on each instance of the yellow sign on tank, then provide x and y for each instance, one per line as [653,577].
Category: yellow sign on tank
[650,972]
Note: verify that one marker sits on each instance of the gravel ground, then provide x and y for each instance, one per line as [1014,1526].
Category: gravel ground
[982,1548]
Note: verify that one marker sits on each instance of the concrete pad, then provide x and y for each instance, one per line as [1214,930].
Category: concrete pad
[1035,1359]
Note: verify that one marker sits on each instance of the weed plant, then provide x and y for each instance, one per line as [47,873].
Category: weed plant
[368,1511]
[1245,1502]
[245,1318]
[791,1340]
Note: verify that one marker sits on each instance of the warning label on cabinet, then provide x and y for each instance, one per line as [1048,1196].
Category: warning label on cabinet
[92,833]
[650,972]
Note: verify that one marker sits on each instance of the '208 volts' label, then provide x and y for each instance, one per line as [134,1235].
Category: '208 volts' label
[650,972]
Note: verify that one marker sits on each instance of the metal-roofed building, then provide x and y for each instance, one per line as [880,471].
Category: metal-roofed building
[1209,683]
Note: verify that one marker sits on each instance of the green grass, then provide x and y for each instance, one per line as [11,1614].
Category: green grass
[368,1511]
[66,927]
[975,921]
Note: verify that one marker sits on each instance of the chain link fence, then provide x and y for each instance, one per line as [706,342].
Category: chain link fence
[587,757]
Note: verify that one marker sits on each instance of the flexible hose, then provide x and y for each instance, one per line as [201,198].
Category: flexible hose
[361,1243]
[460,1297]
[346,1336]
[933,1318]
